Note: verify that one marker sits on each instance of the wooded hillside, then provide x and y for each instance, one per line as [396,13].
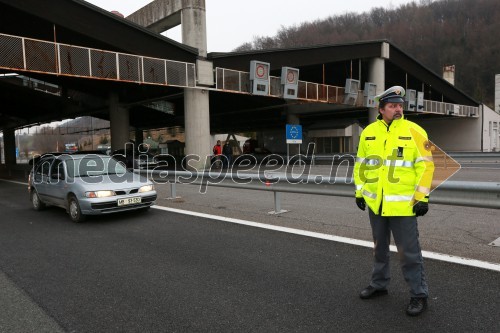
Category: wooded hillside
[464,33]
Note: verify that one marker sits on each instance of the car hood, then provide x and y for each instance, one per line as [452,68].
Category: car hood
[112,182]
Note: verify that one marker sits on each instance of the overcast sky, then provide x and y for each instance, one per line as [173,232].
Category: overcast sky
[231,23]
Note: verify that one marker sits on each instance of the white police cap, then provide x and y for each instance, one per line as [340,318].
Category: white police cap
[392,95]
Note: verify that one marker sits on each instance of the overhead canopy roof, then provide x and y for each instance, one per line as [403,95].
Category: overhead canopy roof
[77,22]
[332,64]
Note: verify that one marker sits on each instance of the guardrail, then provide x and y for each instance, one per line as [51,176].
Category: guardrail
[476,157]
[457,193]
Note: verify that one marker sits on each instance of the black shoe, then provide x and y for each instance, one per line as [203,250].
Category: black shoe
[370,292]
[416,306]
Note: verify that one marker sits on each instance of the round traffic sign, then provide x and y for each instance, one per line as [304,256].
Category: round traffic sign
[260,71]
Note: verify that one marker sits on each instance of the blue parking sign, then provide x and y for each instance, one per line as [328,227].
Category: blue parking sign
[293,133]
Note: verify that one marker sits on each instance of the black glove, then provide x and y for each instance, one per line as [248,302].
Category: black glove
[360,202]
[420,208]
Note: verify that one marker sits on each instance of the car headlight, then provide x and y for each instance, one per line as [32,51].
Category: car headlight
[99,194]
[146,188]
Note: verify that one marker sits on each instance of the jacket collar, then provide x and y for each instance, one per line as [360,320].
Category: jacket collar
[393,123]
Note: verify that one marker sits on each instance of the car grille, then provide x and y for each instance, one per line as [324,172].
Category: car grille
[132,191]
[146,201]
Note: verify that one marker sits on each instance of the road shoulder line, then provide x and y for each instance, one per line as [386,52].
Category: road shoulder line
[351,241]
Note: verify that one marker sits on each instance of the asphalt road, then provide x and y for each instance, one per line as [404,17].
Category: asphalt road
[454,230]
[165,272]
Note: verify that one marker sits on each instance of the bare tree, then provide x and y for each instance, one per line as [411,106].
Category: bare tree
[435,32]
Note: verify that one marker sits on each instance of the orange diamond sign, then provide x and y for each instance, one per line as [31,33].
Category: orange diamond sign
[444,165]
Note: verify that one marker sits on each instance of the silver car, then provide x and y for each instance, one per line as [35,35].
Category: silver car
[88,184]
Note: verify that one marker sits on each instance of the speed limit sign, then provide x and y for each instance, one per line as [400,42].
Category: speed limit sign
[290,82]
[259,77]
[259,70]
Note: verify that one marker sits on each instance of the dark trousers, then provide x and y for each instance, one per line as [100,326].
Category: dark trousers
[405,232]
[227,160]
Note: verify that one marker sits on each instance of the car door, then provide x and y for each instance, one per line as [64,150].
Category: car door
[57,187]
[41,178]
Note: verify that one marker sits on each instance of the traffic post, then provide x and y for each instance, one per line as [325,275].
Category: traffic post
[293,136]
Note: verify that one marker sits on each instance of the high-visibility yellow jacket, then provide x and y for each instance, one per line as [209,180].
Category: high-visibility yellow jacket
[394,167]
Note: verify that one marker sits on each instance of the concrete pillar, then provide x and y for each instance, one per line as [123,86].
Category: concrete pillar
[9,146]
[356,133]
[376,74]
[119,123]
[197,127]
[194,26]
[196,102]
[161,15]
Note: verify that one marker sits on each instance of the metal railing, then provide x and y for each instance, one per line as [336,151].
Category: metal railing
[27,54]
[239,82]
[456,193]
[39,56]
[450,109]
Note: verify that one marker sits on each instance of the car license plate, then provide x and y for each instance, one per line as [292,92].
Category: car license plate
[129,201]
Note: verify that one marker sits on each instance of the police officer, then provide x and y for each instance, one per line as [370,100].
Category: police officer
[393,175]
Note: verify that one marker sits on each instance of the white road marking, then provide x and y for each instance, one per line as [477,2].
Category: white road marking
[352,241]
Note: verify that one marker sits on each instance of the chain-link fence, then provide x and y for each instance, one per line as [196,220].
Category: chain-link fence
[18,53]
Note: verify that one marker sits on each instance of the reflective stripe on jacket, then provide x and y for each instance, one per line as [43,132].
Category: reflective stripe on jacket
[393,167]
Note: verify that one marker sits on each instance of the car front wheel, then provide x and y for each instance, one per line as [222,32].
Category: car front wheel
[36,202]
[74,210]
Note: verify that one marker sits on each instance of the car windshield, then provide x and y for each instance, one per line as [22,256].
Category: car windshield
[91,166]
